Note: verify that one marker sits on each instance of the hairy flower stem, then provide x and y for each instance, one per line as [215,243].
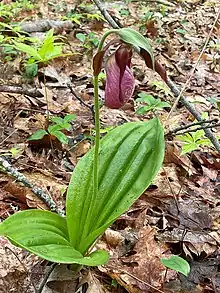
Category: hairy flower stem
[101,43]
[97,121]
[97,137]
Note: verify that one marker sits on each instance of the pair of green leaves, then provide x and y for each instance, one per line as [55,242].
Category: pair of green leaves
[177,264]
[130,156]
[47,50]
[152,104]
[193,141]
[55,129]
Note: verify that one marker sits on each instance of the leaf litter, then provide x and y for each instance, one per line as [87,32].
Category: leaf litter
[179,213]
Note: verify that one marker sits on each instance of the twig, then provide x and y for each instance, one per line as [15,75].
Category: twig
[163,2]
[195,66]
[178,129]
[77,97]
[105,13]
[24,267]
[45,278]
[200,128]
[36,190]
[134,277]
[4,140]
[194,112]
[171,85]
[20,90]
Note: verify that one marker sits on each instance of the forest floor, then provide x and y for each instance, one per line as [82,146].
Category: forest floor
[180,212]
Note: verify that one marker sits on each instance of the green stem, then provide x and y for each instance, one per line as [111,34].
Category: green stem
[97,137]
[101,43]
[97,122]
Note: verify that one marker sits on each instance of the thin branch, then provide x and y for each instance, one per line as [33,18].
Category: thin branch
[178,129]
[194,112]
[163,2]
[36,190]
[24,267]
[171,85]
[134,277]
[195,66]
[45,278]
[77,97]
[200,128]
[106,15]
[20,90]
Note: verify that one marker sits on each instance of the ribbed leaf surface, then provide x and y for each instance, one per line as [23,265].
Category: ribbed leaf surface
[130,156]
[45,234]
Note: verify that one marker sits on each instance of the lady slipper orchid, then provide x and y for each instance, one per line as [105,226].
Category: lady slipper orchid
[120,82]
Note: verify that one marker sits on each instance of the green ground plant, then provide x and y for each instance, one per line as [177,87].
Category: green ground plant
[152,104]
[193,141]
[39,51]
[8,11]
[56,129]
[89,41]
[177,264]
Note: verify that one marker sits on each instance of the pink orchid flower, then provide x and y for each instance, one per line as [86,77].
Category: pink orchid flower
[120,82]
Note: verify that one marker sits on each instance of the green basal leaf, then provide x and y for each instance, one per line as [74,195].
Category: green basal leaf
[144,110]
[45,234]
[129,158]
[66,125]
[39,134]
[163,105]
[81,37]
[177,263]
[205,142]
[61,137]
[189,147]
[31,70]
[197,134]
[55,127]
[149,99]
[185,138]
[69,117]
[32,52]
[134,38]
[57,120]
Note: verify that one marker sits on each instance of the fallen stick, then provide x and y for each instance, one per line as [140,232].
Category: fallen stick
[171,85]
[180,128]
[36,190]
[20,90]
[199,128]
[195,113]
[45,25]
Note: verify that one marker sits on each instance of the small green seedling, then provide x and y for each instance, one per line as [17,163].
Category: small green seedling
[14,151]
[40,52]
[124,12]
[89,41]
[78,17]
[55,129]
[10,10]
[193,141]
[177,264]
[152,104]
